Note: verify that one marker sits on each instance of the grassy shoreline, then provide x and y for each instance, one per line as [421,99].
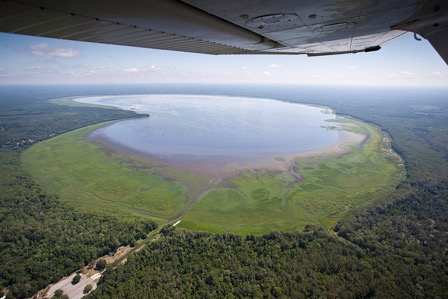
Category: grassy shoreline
[254,201]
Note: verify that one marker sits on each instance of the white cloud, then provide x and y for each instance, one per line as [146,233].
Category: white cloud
[92,73]
[436,74]
[274,66]
[131,70]
[317,74]
[44,50]
[245,71]
[267,73]
[403,74]
[408,74]
[353,67]
[143,70]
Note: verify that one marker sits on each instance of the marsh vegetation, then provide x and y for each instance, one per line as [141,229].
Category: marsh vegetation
[317,187]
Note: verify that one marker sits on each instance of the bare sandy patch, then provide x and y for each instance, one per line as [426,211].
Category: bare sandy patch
[121,251]
[74,291]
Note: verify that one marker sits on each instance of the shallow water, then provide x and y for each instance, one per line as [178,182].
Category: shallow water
[199,127]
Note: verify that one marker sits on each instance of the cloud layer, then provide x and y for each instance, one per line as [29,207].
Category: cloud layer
[44,50]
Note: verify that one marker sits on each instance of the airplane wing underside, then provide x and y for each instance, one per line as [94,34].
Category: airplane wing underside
[319,27]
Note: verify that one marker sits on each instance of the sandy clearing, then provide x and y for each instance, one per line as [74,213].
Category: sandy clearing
[73,291]
[122,250]
[96,276]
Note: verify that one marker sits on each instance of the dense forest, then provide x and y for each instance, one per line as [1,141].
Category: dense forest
[394,249]
[390,253]
[42,240]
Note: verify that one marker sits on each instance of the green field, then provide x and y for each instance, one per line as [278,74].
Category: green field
[90,180]
[331,187]
[87,178]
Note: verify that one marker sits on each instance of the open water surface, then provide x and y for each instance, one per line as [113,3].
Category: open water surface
[217,127]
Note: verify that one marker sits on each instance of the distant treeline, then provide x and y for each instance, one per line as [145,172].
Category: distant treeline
[395,249]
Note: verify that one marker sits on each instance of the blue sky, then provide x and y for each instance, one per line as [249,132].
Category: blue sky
[33,60]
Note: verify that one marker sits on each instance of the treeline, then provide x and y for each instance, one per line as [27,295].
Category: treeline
[41,239]
[416,119]
[398,251]
[200,265]
[23,123]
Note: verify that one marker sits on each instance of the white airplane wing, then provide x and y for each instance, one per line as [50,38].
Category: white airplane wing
[318,27]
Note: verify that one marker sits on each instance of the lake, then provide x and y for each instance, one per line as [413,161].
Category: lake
[225,128]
